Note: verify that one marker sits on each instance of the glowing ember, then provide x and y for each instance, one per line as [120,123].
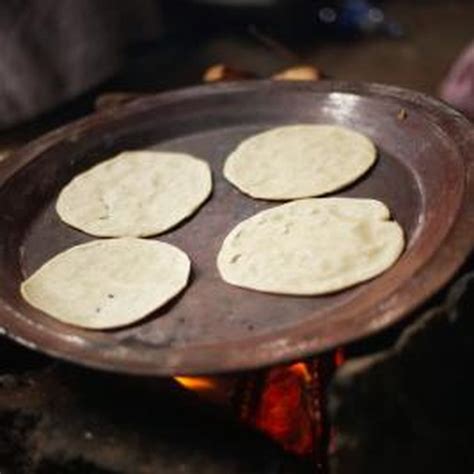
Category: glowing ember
[284,412]
[339,357]
[287,403]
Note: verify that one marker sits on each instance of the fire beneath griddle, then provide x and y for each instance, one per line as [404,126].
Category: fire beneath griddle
[285,402]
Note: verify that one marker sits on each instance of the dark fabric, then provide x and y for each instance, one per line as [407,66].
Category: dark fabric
[410,410]
[52,50]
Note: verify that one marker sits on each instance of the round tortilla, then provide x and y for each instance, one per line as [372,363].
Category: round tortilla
[311,247]
[136,194]
[299,161]
[108,283]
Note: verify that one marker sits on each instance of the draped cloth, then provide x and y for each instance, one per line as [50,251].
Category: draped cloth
[458,87]
[53,50]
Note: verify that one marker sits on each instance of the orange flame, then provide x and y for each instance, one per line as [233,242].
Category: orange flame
[284,410]
[197,384]
[300,369]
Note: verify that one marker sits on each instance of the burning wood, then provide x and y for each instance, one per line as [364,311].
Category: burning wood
[222,72]
[287,402]
[277,402]
[284,409]
[215,73]
[298,73]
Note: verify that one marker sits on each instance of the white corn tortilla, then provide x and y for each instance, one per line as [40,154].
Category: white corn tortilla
[136,194]
[108,283]
[299,161]
[311,247]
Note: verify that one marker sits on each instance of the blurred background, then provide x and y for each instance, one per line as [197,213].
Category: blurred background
[59,55]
